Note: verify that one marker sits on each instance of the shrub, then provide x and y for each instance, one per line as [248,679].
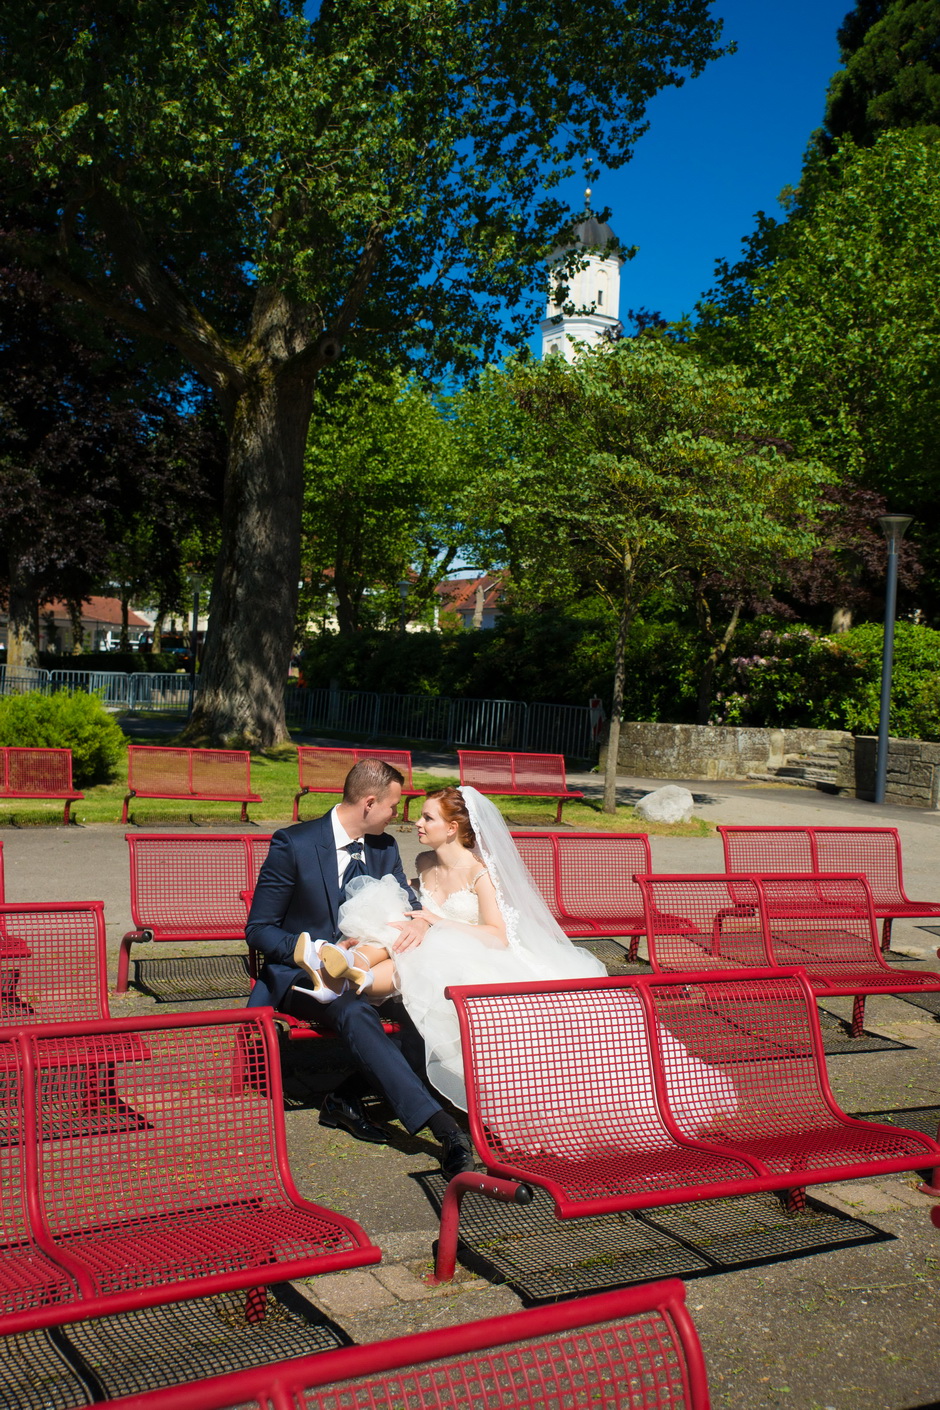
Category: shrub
[794,678]
[66,721]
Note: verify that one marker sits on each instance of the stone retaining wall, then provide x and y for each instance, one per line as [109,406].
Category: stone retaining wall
[733,752]
[913,776]
[712,751]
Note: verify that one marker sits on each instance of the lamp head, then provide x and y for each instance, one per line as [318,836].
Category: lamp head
[894,527]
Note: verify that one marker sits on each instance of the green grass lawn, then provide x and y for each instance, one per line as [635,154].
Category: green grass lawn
[274,776]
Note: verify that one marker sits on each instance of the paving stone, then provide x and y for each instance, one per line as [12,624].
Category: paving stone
[344,1294]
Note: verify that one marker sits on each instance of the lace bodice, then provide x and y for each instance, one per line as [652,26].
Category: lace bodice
[459,905]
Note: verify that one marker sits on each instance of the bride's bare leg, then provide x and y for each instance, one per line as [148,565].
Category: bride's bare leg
[384,980]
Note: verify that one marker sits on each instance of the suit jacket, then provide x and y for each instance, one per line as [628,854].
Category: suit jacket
[298,889]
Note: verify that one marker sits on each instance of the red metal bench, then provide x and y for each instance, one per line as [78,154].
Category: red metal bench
[633,1349]
[875,852]
[53,963]
[512,775]
[587,880]
[38,773]
[193,1198]
[187,887]
[325,770]
[824,924]
[194,775]
[635,1092]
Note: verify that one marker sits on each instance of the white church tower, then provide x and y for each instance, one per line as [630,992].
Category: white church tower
[596,287]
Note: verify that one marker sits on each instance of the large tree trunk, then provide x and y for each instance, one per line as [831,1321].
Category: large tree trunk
[613,737]
[23,625]
[240,696]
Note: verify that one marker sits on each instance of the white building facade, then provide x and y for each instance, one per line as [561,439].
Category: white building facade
[595,289]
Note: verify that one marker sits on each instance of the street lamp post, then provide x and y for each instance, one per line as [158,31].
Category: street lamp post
[403,587]
[894,527]
[196,582]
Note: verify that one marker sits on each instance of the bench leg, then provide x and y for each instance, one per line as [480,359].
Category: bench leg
[124,809]
[858,1016]
[886,935]
[558,810]
[66,815]
[793,1201]
[509,1191]
[124,964]
[244,817]
[256,1305]
[634,948]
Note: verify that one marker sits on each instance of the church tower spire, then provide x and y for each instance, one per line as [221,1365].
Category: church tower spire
[593,291]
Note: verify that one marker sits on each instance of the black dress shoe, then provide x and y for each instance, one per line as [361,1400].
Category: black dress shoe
[340,1112]
[456,1154]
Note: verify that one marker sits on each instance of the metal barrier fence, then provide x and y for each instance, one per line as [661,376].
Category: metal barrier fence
[484,724]
[435,719]
[134,690]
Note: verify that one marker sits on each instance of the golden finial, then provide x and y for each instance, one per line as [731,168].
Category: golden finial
[587,199]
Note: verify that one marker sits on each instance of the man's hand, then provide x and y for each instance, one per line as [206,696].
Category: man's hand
[413,930]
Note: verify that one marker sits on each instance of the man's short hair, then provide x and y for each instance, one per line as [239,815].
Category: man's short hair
[370,777]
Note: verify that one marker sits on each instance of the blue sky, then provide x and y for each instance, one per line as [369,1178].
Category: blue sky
[719,149]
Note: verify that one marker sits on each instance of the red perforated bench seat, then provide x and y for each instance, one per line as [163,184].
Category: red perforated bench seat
[189,1196]
[38,773]
[873,852]
[188,886]
[515,775]
[640,1091]
[325,770]
[633,1349]
[191,775]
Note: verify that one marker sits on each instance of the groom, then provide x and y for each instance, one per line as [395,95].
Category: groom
[300,888]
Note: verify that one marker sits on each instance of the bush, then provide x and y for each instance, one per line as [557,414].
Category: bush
[66,721]
[794,678]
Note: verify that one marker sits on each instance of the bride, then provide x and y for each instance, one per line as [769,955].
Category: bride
[487,924]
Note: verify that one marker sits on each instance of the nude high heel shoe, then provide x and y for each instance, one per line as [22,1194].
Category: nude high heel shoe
[335,961]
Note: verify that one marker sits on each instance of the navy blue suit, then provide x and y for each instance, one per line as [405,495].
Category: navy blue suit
[298,889]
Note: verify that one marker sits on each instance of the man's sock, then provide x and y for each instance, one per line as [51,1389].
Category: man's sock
[441,1125]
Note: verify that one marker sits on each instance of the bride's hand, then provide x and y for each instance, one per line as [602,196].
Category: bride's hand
[413,929]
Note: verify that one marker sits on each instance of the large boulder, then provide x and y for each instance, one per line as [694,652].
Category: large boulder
[669,804]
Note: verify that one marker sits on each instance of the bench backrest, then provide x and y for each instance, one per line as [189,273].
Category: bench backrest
[187,884]
[703,922]
[39,771]
[159,770]
[740,1053]
[754,850]
[489,771]
[874,852]
[587,875]
[203,1125]
[636,1349]
[53,963]
[325,770]
[821,920]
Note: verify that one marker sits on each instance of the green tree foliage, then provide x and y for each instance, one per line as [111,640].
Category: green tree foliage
[891,78]
[382,502]
[844,327]
[259,190]
[636,465]
[65,721]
